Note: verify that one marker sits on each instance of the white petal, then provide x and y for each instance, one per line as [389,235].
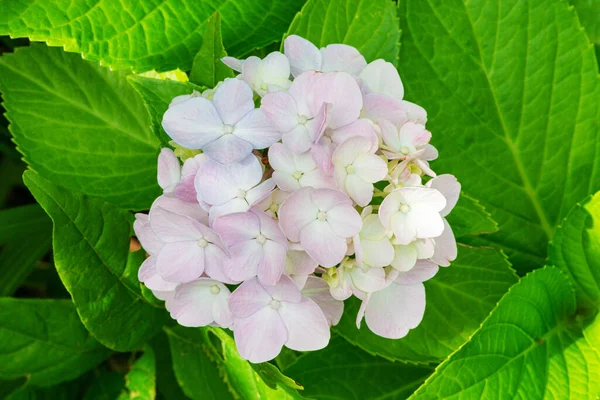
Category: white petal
[280,108]
[341,57]
[237,227]
[228,149]
[303,55]
[260,337]
[421,272]
[296,212]
[448,186]
[248,298]
[405,257]
[317,290]
[306,324]
[392,312]
[445,247]
[370,168]
[256,129]
[377,253]
[193,123]
[147,274]
[233,99]
[322,244]
[169,170]
[180,262]
[382,77]
[272,263]
[344,220]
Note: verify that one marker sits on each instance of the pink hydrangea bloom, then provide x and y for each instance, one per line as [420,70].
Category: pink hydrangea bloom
[266,318]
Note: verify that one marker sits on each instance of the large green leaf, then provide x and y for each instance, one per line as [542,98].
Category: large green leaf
[140,381]
[344,372]
[80,125]
[589,15]
[470,218]
[576,251]
[534,345]
[20,222]
[459,297]
[45,341]
[208,69]
[157,94]
[513,95]
[91,247]
[145,35]
[166,382]
[369,25]
[203,357]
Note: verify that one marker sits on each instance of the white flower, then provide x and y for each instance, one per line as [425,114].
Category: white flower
[268,75]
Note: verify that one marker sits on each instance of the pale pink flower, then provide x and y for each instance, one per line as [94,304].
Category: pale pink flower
[295,170]
[257,246]
[271,203]
[318,291]
[305,56]
[413,213]
[191,248]
[168,171]
[410,141]
[226,129]
[185,189]
[268,75]
[315,101]
[392,312]
[372,245]
[445,249]
[406,255]
[231,188]
[268,317]
[356,168]
[321,220]
[201,302]
[351,279]
[299,265]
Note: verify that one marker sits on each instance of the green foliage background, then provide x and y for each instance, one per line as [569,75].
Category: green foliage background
[513,94]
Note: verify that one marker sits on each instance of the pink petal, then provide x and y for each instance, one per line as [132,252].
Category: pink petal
[150,242]
[361,127]
[300,263]
[169,170]
[280,109]
[303,55]
[326,199]
[296,212]
[382,77]
[284,290]
[228,149]
[341,90]
[237,227]
[445,247]
[233,206]
[371,168]
[245,260]
[317,290]
[260,337]
[272,263]
[193,123]
[281,159]
[248,298]
[421,272]
[233,99]
[306,325]
[233,63]
[392,312]
[221,312]
[147,274]
[415,113]
[317,125]
[322,152]
[177,206]
[256,129]
[322,244]
[180,262]
[358,190]
[298,140]
[171,227]
[186,191]
[448,186]
[341,57]
[378,107]
[257,194]
[269,227]
[344,220]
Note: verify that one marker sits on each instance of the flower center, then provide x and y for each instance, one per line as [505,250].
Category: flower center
[227,129]
[404,150]
[261,239]
[241,194]
[322,216]
[275,304]
[202,243]
[405,208]
[214,289]
[350,169]
[297,175]
[302,119]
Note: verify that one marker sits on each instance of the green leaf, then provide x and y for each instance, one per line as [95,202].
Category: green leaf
[80,125]
[91,247]
[512,92]
[19,258]
[469,218]
[575,249]
[157,94]
[194,364]
[369,25]
[45,341]
[153,34]
[588,11]
[459,297]
[140,381]
[166,382]
[64,391]
[342,371]
[212,352]
[272,376]
[534,345]
[20,222]
[106,385]
[208,69]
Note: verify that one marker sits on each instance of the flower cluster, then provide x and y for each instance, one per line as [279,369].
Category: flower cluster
[305,180]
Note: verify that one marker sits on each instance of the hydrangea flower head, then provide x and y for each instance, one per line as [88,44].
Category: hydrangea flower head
[302,182]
